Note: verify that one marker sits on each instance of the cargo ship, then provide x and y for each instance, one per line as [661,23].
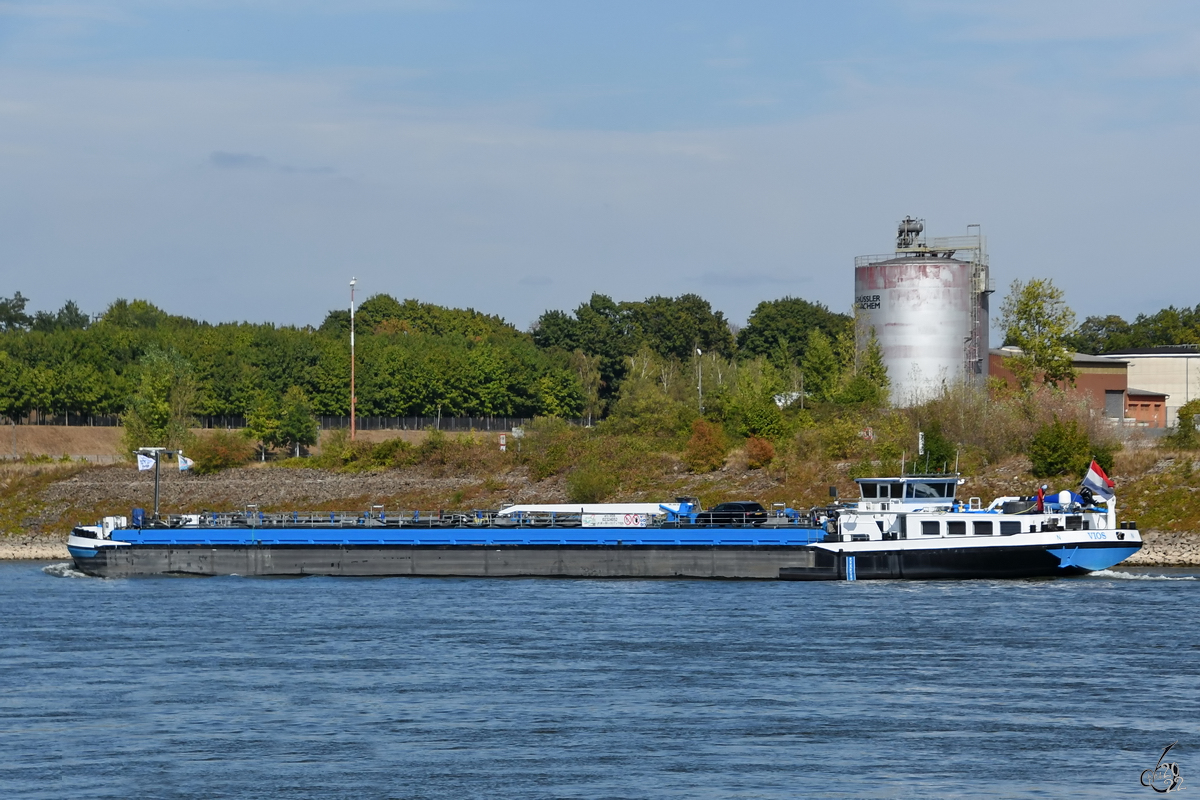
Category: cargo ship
[910,527]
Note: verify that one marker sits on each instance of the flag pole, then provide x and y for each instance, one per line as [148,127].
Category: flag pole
[156,452]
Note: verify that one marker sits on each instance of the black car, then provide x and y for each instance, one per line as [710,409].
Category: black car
[737,513]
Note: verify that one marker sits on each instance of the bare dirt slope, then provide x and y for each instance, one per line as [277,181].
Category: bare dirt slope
[18,441]
[56,441]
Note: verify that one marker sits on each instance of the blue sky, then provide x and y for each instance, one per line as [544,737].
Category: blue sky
[242,160]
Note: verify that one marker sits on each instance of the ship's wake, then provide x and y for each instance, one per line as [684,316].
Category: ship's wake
[1132,576]
[63,570]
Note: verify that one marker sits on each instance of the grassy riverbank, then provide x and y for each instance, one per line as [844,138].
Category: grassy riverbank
[39,502]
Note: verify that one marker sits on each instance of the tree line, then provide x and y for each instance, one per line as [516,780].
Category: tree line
[420,359]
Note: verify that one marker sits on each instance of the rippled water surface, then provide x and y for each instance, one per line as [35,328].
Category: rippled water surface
[446,688]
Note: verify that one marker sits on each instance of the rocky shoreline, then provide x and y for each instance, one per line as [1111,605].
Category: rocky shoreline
[34,548]
[1167,549]
[1162,549]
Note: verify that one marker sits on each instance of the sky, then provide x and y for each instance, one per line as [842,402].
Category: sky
[242,160]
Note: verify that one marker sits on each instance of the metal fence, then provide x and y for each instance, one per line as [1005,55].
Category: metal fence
[452,424]
[425,423]
[74,420]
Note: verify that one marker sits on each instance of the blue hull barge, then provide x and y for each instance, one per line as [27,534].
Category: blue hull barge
[910,527]
[588,541]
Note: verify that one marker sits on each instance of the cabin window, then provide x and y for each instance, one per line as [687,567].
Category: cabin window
[1009,528]
[897,491]
[983,528]
[956,528]
[868,490]
[930,527]
[929,490]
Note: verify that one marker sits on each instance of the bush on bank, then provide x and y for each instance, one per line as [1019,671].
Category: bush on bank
[219,450]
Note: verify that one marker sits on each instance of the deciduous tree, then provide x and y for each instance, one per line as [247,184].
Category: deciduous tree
[779,329]
[160,412]
[1036,319]
[297,425]
[262,422]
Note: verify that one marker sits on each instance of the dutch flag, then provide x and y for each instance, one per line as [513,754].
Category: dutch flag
[1100,484]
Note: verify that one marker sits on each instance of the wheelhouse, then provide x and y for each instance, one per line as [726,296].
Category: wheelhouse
[913,491]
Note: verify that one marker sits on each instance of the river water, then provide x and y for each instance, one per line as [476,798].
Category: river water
[466,688]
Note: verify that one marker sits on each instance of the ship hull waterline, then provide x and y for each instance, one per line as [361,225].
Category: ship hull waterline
[1005,563]
[763,562]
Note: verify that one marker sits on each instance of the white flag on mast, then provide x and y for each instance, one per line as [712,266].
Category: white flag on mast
[145,462]
[185,463]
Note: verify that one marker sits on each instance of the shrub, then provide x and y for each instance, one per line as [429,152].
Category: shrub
[759,452]
[591,484]
[220,450]
[339,452]
[392,453]
[1184,436]
[705,451]
[1060,448]
[435,449]
[940,452]
[551,446]
[840,438]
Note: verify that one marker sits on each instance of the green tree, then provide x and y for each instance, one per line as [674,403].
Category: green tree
[678,326]
[15,401]
[820,367]
[651,402]
[1036,319]
[751,409]
[557,329]
[79,387]
[12,313]
[297,425]
[587,369]
[1096,335]
[558,395]
[780,329]
[604,331]
[1169,326]
[262,422]
[160,412]
[868,383]
[69,317]
[135,314]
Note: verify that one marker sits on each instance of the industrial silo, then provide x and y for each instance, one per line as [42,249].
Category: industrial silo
[928,304]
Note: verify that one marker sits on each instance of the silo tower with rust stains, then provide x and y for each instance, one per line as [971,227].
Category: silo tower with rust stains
[928,304]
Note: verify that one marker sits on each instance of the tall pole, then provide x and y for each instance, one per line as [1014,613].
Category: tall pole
[700,378]
[353,398]
[157,452]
